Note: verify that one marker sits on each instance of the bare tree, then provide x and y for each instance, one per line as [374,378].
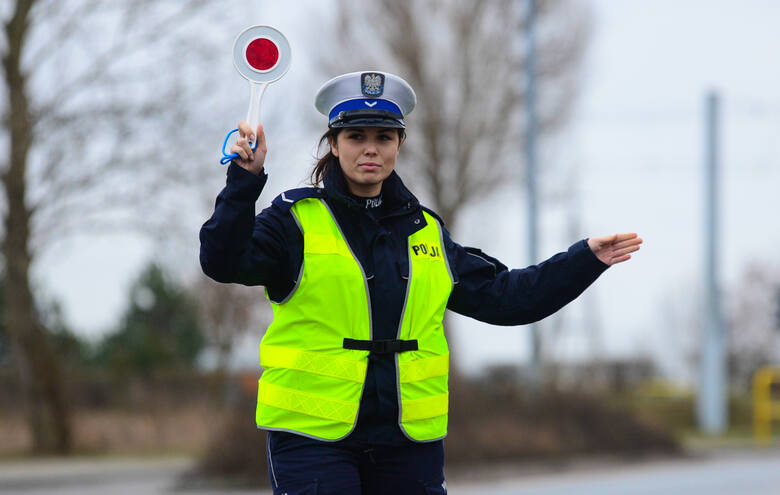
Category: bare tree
[229,311]
[753,337]
[466,62]
[98,94]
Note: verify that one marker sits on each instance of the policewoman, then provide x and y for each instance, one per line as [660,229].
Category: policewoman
[354,393]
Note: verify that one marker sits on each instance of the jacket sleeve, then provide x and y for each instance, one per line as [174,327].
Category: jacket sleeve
[236,246]
[487,291]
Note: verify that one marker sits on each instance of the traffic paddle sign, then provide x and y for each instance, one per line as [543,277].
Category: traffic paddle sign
[261,54]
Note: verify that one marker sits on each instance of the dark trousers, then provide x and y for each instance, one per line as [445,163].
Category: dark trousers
[302,466]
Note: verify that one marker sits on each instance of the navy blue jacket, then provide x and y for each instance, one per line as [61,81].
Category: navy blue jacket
[267,249]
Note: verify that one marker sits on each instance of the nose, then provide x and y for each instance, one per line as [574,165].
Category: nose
[370,148]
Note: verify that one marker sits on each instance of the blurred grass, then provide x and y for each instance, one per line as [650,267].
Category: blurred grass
[491,421]
[169,414]
[180,431]
[212,418]
[673,408]
[180,413]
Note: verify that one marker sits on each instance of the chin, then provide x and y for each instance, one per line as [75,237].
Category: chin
[371,179]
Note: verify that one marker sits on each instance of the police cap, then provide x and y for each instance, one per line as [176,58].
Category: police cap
[366,99]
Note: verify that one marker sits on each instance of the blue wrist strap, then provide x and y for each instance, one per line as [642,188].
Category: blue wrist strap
[227,157]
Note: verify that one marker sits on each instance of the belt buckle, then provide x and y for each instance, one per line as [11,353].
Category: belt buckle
[382,346]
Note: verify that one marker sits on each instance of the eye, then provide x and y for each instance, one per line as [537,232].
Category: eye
[355,135]
[385,137]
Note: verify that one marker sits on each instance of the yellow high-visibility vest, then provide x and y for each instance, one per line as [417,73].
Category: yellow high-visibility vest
[312,384]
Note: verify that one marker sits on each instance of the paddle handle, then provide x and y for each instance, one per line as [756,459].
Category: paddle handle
[256,97]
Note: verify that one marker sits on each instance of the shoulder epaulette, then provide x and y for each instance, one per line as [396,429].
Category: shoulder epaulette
[290,197]
[431,212]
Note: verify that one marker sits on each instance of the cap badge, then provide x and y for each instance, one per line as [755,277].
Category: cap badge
[372,84]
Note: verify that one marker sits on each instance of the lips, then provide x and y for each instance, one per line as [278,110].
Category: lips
[369,166]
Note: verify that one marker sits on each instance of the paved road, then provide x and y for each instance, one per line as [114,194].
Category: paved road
[748,473]
[733,473]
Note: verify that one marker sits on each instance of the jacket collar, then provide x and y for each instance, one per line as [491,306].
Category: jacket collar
[394,193]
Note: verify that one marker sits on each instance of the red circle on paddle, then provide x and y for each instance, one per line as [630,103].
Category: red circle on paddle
[262,54]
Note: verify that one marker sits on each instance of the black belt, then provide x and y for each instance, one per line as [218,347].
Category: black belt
[381,346]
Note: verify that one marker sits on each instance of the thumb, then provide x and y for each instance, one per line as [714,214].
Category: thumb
[260,136]
[601,242]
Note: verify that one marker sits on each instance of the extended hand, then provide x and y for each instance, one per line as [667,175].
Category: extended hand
[614,248]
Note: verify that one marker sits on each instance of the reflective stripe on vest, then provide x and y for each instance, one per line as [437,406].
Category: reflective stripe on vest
[311,384]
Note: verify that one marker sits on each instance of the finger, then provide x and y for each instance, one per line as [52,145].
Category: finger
[620,259]
[261,138]
[624,237]
[244,129]
[629,242]
[621,252]
[244,144]
[241,151]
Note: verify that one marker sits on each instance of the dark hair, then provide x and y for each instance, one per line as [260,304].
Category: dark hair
[323,166]
[326,163]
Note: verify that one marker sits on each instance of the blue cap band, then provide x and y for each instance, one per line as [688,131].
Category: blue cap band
[365,104]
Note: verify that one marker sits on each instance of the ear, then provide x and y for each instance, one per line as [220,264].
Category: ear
[333,148]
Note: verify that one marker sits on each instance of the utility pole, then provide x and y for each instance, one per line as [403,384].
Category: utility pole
[712,403]
[530,149]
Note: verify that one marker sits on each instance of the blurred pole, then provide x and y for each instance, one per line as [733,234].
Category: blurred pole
[530,148]
[590,317]
[712,404]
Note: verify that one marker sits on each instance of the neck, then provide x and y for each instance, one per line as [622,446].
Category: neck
[364,190]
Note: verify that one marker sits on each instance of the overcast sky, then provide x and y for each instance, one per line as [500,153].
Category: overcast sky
[635,143]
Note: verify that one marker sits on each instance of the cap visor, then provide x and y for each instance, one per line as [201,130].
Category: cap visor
[370,122]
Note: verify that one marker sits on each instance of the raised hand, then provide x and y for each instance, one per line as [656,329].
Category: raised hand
[248,159]
[614,248]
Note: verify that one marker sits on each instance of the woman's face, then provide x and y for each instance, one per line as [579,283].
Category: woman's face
[367,156]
